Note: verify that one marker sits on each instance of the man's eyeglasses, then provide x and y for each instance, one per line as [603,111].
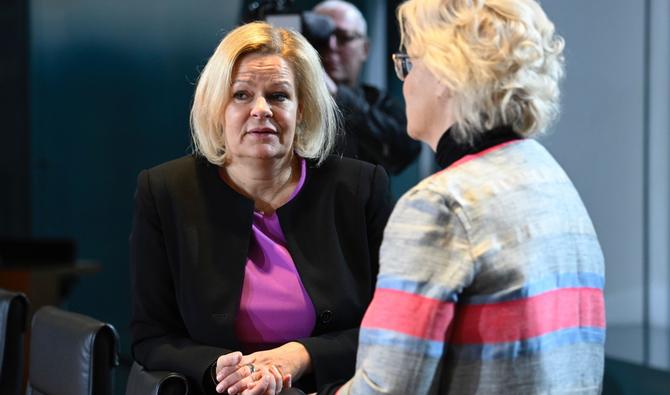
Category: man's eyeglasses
[402,65]
[344,37]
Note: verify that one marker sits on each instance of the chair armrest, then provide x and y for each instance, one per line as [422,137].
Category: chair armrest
[143,382]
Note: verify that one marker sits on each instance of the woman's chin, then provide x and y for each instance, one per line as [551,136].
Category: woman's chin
[266,152]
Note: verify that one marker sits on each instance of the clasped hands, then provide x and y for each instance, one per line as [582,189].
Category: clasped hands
[261,373]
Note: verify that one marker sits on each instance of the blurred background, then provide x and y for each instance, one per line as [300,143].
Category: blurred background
[93,91]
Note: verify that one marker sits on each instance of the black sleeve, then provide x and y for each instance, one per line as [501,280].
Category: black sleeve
[333,354]
[377,125]
[159,337]
[378,210]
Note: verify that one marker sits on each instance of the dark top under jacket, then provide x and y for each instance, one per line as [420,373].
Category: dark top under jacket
[188,250]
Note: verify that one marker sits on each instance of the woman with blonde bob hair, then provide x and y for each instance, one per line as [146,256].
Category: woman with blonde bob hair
[315,133]
[491,275]
[253,259]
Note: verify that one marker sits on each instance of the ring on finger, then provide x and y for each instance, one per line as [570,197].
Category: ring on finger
[252,368]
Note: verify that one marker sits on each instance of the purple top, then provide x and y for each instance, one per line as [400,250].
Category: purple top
[274,307]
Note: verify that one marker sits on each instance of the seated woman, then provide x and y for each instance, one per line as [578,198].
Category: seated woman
[259,242]
[491,274]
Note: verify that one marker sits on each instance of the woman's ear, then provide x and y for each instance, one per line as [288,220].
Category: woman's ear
[442,92]
[444,97]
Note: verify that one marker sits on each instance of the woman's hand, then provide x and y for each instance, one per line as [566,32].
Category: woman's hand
[291,359]
[232,369]
[264,383]
[237,373]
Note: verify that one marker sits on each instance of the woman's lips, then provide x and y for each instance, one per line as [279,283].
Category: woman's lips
[262,131]
[262,134]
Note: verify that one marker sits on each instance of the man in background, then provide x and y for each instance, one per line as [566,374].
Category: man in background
[374,124]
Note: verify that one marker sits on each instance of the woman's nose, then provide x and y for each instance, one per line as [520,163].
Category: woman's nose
[261,109]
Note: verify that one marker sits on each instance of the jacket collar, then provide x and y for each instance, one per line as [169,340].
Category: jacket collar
[449,150]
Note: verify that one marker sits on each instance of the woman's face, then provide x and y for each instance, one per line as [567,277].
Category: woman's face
[426,100]
[261,115]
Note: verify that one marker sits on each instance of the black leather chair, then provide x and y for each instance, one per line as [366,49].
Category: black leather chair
[71,354]
[143,382]
[13,317]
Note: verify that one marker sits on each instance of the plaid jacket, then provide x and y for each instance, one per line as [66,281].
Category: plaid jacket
[491,281]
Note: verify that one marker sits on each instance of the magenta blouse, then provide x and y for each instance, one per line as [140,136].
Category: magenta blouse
[274,307]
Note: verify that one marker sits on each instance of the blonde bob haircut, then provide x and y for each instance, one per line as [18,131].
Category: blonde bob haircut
[500,60]
[315,130]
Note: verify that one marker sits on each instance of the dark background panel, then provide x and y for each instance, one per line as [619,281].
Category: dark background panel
[15,126]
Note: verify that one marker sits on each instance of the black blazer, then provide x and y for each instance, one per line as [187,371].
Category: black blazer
[188,249]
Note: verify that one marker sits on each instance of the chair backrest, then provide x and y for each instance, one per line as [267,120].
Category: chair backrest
[13,316]
[71,354]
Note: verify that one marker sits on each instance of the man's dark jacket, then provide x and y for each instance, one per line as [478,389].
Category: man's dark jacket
[375,128]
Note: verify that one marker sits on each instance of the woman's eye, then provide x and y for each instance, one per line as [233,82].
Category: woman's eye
[240,95]
[279,96]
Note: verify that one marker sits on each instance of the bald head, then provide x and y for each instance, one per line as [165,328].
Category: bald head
[346,10]
[347,48]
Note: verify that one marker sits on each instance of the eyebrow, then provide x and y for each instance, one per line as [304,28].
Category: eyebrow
[276,83]
[282,83]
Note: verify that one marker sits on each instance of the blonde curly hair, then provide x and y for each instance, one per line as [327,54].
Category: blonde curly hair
[500,59]
[316,131]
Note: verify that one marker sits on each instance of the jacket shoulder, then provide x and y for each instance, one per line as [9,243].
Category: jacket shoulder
[352,174]
[182,173]
[176,166]
[339,166]
[179,170]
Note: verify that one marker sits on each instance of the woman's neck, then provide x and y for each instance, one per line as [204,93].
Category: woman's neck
[269,182]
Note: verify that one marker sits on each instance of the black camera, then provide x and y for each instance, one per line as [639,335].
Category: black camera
[316,28]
